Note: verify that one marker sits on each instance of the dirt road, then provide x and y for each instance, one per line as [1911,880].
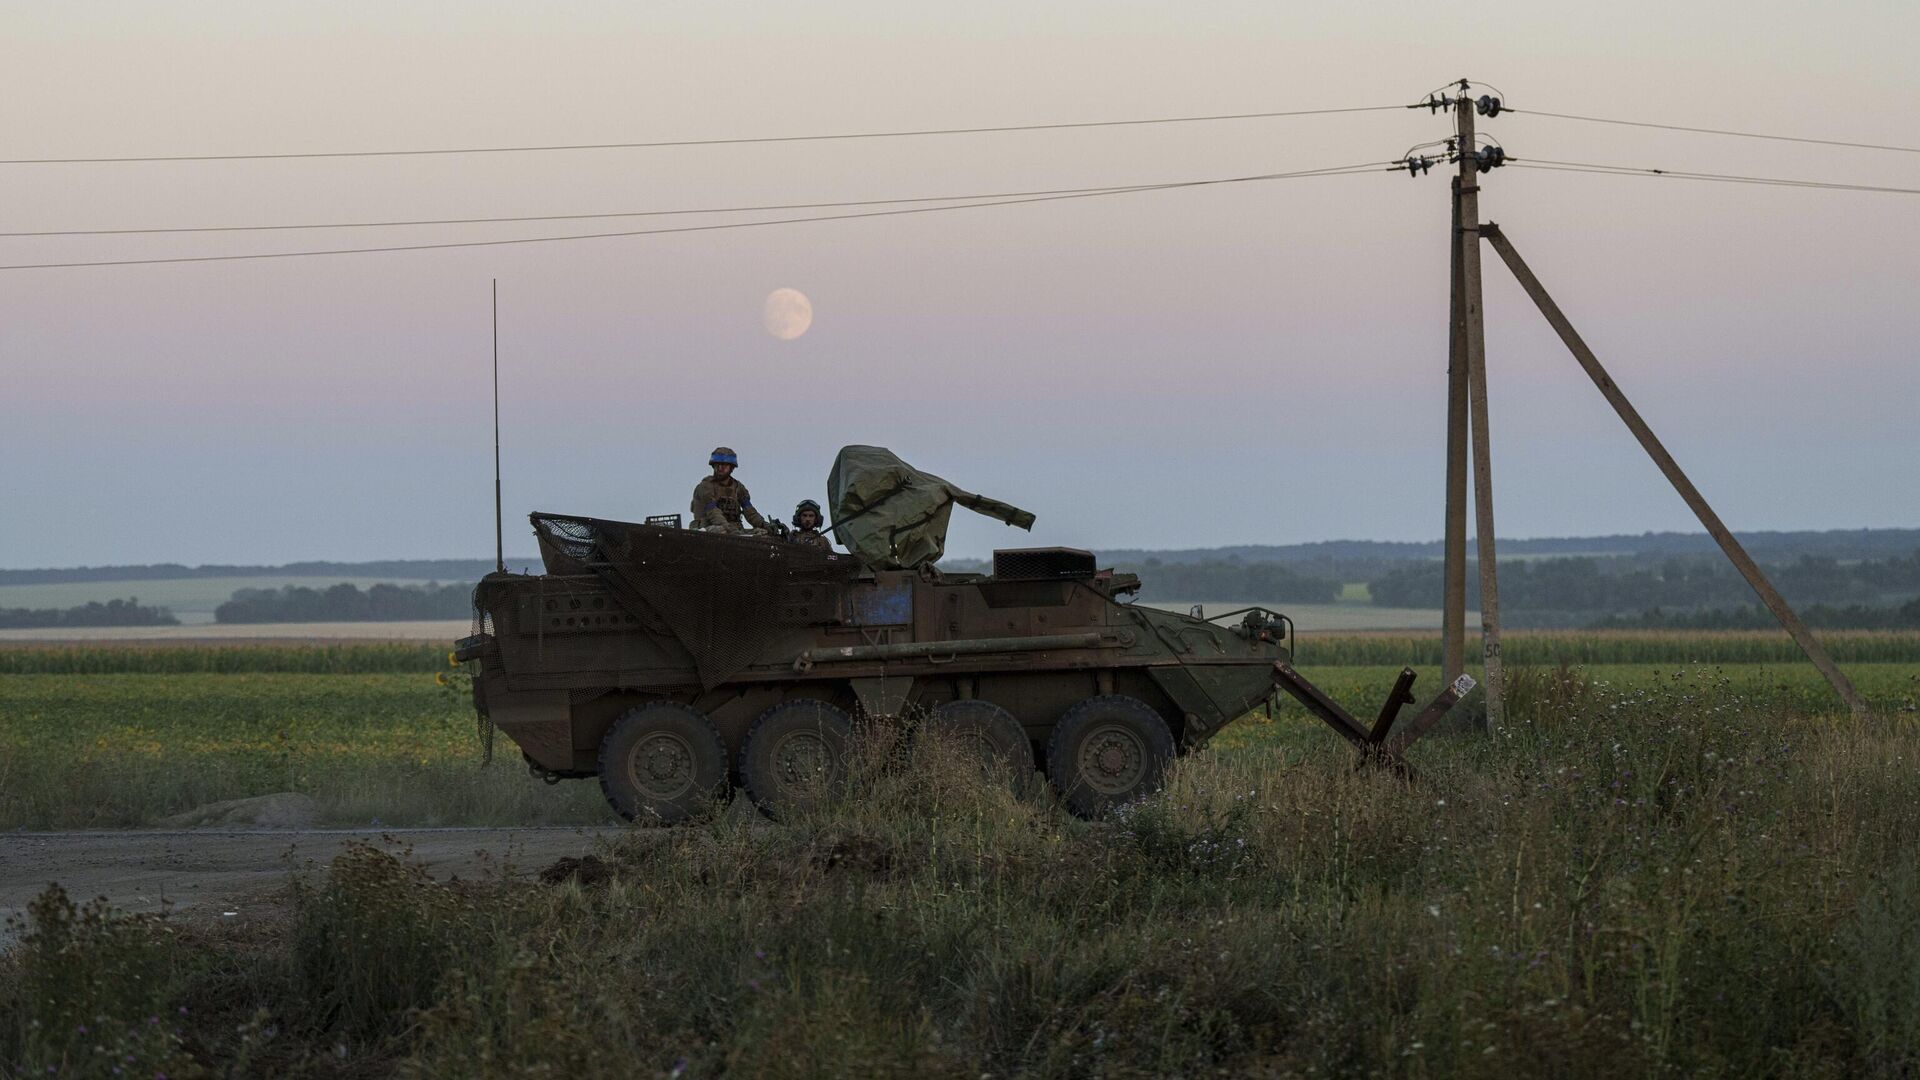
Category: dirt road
[209,869]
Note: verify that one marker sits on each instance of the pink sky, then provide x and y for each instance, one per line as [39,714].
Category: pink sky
[1248,364]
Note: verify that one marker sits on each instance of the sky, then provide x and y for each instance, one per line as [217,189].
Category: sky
[1247,363]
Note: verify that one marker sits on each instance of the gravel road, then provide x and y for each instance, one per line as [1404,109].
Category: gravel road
[205,869]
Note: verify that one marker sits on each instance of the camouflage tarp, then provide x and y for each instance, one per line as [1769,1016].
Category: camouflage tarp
[893,516]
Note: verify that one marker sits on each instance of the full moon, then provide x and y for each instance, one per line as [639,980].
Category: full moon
[788,313]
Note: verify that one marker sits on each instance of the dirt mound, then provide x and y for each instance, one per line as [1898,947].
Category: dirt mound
[588,870]
[281,810]
[854,853]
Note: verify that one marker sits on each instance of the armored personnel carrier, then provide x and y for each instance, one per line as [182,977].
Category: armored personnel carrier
[677,665]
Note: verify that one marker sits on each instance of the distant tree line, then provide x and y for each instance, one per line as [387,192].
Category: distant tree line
[1257,582]
[1613,587]
[1776,546]
[127,612]
[1819,616]
[1339,560]
[1208,580]
[347,603]
[417,569]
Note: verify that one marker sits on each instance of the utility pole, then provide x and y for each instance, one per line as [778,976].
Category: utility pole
[1474,351]
[1453,613]
[499,536]
[1736,554]
[1467,394]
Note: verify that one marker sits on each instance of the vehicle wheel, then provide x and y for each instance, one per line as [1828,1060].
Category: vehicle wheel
[1004,751]
[795,755]
[1106,752]
[662,764]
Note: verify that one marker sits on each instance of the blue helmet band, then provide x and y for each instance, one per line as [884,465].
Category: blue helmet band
[724,459]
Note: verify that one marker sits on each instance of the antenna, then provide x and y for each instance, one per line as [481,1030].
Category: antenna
[499,545]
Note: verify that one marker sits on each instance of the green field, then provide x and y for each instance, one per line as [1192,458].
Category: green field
[97,751]
[1660,869]
[121,735]
[192,600]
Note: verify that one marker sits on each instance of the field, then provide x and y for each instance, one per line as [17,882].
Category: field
[1665,866]
[96,736]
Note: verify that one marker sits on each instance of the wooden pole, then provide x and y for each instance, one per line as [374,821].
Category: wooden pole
[1453,614]
[499,535]
[1694,500]
[1475,340]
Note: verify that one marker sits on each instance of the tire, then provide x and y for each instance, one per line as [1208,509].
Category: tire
[1006,755]
[795,756]
[663,764]
[1106,752]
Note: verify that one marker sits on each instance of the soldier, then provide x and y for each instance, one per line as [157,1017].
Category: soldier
[806,526]
[720,501]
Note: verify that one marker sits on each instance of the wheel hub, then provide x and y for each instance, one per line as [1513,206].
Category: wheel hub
[1113,760]
[663,765]
[803,758]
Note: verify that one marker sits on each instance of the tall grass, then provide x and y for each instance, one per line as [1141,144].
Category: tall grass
[1551,647]
[1667,879]
[310,658]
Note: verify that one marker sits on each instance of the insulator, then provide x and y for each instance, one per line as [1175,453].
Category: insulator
[1490,159]
[1438,104]
[1488,105]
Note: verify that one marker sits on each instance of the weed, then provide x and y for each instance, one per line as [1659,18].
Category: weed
[90,994]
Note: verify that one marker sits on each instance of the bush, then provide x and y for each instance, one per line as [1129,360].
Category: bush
[90,994]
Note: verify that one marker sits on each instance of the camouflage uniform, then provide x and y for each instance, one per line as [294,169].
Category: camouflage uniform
[811,538]
[720,504]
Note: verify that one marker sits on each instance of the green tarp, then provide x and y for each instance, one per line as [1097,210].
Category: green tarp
[892,516]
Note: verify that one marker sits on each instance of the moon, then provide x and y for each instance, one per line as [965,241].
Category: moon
[788,313]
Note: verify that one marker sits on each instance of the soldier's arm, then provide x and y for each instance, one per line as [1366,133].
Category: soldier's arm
[747,511]
[705,509]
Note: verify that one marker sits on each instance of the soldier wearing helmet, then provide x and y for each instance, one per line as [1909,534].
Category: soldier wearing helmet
[806,526]
[720,501]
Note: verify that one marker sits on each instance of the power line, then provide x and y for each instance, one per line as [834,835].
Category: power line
[1720,131]
[1681,174]
[692,142]
[1113,188]
[1339,170]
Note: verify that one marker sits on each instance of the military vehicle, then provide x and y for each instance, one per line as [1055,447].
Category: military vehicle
[677,664]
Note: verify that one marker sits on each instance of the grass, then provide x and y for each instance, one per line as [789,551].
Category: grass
[121,736]
[1551,647]
[348,658]
[1667,878]
[120,750]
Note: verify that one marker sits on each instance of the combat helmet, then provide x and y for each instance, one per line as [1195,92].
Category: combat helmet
[723,455]
[806,505]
